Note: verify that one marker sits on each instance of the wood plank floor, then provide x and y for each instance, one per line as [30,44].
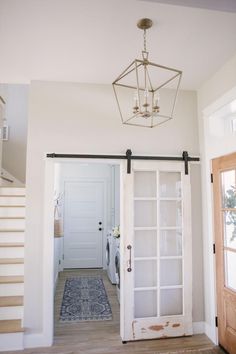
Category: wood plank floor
[102,337]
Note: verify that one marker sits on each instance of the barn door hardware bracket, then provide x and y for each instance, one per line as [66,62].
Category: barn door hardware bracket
[185,158]
[128,155]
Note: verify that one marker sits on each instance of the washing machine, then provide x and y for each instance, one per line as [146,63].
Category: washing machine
[117,268]
[110,257]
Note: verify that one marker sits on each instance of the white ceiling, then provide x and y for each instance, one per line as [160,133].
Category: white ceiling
[94,40]
[218,5]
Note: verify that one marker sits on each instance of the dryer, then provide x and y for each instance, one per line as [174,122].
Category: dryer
[110,257]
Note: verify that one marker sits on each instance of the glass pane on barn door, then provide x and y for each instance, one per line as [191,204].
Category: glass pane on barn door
[145,184]
[170,272]
[171,243]
[170,213]
[171,302]
[145,243]
[170,184]
[145,304]
[145,273]
[145,213]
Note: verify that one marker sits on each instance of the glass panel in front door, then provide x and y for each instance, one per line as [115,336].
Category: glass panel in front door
[228,192]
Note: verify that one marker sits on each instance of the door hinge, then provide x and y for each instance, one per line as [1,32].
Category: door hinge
[63,257]
[216,321]
[214,248]
[211,177]
[59,262]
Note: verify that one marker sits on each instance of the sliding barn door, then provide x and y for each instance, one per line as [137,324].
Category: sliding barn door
[156,299]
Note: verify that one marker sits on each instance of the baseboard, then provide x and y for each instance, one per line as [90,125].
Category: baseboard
[11,341]
[35,340]
[211,333]
[198,327]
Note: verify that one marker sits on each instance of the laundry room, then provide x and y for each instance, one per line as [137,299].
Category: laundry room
[86,237]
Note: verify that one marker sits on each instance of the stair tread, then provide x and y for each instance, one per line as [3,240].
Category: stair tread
[10,326]
[14,186]
[12,244]
[12,206]
[11,279]
[11,260]
[6,301]
[12,195]
[12,230]
[12,217]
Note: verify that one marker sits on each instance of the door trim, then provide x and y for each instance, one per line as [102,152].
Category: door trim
[222,163]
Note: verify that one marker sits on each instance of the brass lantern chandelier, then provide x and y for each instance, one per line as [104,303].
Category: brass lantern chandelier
[146,92]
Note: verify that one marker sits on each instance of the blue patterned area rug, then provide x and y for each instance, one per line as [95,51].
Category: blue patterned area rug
[85,299]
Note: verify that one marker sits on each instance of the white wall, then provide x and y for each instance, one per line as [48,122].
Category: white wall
[58,241]
[16,114]
[83,118]
[216,92]
[2,113]
[58,247]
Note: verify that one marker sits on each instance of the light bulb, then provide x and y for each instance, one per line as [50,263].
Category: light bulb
[146,93]
[233,106]
[136,107]
[156,99]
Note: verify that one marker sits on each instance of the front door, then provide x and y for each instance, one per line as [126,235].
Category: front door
[83,224]
[156,274]
[224,187]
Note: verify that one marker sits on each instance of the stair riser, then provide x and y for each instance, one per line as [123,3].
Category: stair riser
[12,200]
[11,252]
[12,211]
[11,341]
[12,237]
[12,289]
[11,313]
[12,191]
[9,224]
[11,269]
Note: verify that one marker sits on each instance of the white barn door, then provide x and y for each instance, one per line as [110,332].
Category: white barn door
[83,224]
[156,279]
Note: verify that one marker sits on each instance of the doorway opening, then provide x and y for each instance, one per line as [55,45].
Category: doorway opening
[86,246]
[149,180]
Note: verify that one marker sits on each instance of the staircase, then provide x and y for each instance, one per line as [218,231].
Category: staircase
[12,227]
